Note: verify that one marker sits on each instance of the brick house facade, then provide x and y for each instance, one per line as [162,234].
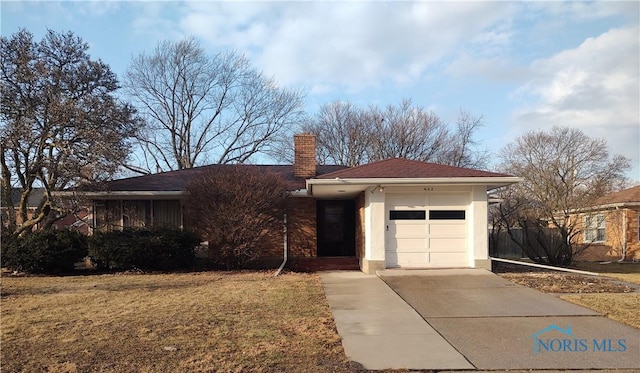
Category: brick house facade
[392,213]
[79,221]
[610,228]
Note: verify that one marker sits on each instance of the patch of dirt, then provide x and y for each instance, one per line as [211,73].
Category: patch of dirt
[566,283]
[558,282]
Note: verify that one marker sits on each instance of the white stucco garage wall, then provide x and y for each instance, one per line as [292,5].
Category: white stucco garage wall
[478,228]
[374,214]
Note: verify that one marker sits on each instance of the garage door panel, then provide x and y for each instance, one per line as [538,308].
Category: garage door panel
[407,259]
[447,244]
[408,231]
[448,259]
[411,245]
[447,230]
[409,225]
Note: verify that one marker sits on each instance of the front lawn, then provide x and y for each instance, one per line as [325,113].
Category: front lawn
[629,272]
[210,321]
[604,294]
[620,307]
[616,306]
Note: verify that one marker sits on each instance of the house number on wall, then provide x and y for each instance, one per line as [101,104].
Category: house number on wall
[428,189]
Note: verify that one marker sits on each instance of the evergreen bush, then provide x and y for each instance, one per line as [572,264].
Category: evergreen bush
[47,251]
[149,249]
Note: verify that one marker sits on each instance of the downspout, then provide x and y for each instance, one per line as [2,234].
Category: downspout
[284,255]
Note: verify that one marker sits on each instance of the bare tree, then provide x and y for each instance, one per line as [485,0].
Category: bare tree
[60,122]
[236,209]
[206,108]
[462,149]
[564,172]
[343,134]
[407,131]
[350,135]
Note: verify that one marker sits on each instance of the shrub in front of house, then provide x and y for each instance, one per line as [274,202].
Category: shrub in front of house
[148,249]
[239,211]
[47,251]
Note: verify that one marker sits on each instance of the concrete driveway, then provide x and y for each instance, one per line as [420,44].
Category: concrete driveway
[381,331]
[489,323]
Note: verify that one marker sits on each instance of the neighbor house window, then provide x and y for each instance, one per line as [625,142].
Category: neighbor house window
[594,228]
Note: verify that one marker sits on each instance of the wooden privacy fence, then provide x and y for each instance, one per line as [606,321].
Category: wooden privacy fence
[501,245]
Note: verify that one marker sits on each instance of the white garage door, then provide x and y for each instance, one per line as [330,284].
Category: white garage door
[424,230]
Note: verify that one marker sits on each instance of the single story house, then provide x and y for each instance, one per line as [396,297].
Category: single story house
[610,228]
[393,213]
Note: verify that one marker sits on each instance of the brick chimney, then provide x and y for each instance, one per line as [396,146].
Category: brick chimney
[304,164]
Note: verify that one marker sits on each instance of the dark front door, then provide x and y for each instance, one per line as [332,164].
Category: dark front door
[336,228]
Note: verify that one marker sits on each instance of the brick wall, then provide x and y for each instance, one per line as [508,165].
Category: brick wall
[633,237]
[301,230]
[596,253]
[304,164]
[303,233]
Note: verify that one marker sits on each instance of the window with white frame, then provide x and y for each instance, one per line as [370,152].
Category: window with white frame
[594,228]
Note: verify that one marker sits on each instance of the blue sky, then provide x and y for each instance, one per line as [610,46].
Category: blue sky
[521,65]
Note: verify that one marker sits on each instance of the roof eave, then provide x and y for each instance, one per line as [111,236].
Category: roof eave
[491,182]
[481,180]
[124,194]
[608,206]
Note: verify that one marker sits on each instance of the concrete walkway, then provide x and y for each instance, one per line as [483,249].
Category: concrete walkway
[469,319]
[381,331]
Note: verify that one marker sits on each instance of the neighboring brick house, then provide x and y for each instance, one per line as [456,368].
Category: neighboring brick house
[392,213]
[609,228]
[77,222]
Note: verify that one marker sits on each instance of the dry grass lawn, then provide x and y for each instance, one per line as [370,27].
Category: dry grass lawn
[629,272]
[604,294]
[616,306]
[196,322]
[621,307]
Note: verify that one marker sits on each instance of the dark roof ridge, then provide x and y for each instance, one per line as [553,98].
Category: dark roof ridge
[176,180]
[203,167]
[378,167]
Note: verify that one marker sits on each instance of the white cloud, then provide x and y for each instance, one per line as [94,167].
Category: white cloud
[564,11]
[345,45]
[594,87]
[96,7]
[154,21]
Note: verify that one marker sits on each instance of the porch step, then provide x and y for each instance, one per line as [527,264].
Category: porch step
[314,264]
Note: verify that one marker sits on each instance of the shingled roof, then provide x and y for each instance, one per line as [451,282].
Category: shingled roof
[395,168]
[630,195]
[408,169]
[178,180]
